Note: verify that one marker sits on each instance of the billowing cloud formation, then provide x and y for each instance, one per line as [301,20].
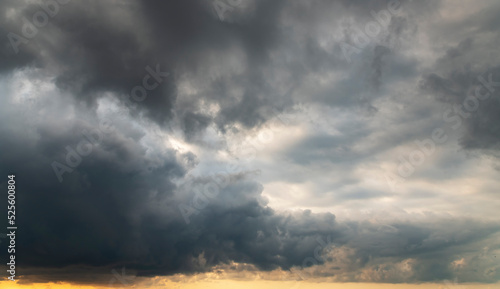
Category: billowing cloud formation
[118,117]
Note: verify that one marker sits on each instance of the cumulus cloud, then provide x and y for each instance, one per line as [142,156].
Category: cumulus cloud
[161,136]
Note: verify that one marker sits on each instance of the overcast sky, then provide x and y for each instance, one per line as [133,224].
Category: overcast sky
[330,141]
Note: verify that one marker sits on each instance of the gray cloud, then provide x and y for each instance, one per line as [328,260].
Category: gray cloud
[120,205]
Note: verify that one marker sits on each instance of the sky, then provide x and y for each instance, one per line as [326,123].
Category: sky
[251,143]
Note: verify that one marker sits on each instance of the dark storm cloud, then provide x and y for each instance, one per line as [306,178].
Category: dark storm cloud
[474,98]
[95,47]
[8,59]
[467,76]
[119,207]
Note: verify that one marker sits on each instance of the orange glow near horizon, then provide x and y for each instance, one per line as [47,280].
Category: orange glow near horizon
[234,284]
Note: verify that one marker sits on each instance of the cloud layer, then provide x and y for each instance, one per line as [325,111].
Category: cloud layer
[185,136]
